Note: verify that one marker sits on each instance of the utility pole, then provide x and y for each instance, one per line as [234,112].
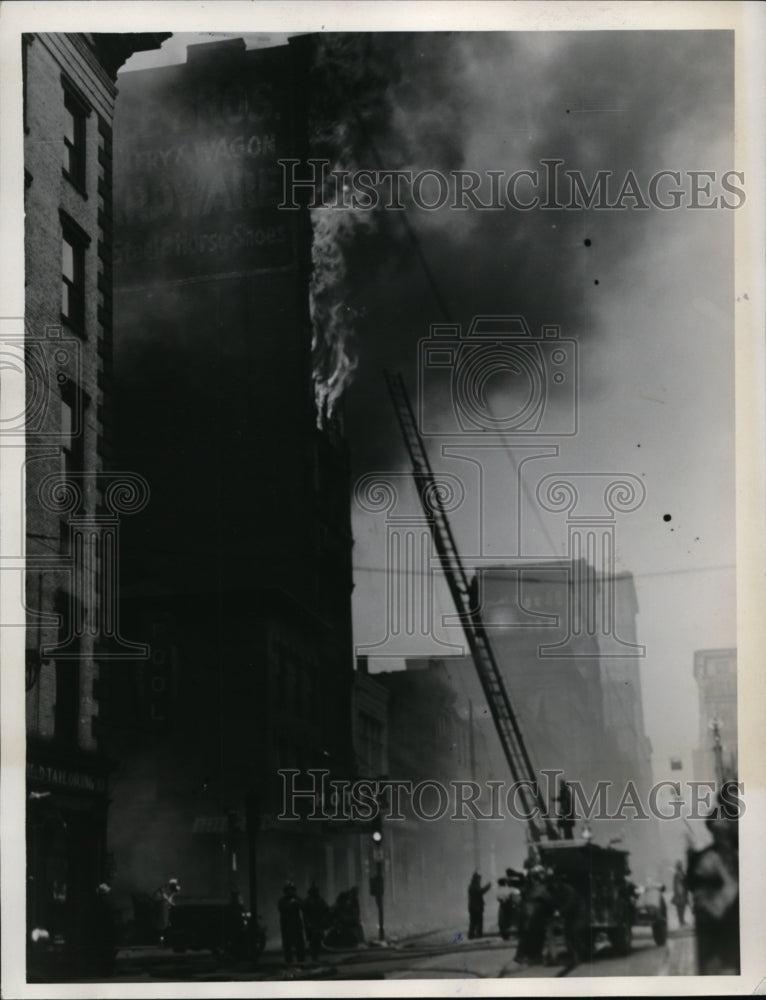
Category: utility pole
[377,881]
[472,763]
[715,725]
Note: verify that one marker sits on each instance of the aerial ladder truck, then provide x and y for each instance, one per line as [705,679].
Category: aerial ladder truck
[598,874]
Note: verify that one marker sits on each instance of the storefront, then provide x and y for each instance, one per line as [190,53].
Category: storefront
[66,846]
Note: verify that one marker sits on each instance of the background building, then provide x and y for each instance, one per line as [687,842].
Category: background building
[580,711]
[238,571]
[715,671]
[430,862]
[69,96]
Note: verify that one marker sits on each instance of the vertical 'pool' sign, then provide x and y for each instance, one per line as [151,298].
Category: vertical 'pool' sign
[197,183]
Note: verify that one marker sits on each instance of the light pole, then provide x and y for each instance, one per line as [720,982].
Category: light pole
[376,882]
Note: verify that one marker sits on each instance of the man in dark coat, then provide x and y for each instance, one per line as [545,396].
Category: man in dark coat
[536,909]
[476,894]
[713,880]
[103,932]
[291,924]
[316,918]
[680,894]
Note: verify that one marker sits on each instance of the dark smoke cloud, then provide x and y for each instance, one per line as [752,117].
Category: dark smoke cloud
[640,101]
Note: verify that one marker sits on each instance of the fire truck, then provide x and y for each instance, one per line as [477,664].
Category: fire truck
[597,874]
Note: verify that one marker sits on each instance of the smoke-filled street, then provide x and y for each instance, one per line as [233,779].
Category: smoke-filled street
[440,954]
[378,596]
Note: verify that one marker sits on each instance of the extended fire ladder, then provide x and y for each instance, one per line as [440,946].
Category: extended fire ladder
[487,668]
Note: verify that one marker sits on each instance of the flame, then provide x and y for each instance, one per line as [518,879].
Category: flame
[339,70]
[333,319]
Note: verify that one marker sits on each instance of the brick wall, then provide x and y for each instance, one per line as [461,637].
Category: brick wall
[55,62]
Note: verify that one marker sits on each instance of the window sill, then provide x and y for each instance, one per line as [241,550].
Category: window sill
[77,185]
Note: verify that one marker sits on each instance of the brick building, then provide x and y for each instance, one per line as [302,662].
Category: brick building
[69,96]
[238,571]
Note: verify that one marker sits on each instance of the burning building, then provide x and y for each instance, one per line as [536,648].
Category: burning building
[238,572]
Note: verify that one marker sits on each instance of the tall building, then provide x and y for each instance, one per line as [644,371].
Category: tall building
[237,573]
[369,725]
[429,861]
[71,507]
[558,698]
[579,708]
[715,671]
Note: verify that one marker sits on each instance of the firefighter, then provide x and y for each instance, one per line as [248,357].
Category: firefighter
[103,932]
[566,818]
[291,924]
[316,919]
[536,910]
[713,880]
[567,905]
[680,893]
[476,893]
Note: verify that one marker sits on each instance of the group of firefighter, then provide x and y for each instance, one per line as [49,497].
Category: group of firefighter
[312,921]
[708,884]
[544,892]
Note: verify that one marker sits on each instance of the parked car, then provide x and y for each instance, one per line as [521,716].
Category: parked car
[217,924]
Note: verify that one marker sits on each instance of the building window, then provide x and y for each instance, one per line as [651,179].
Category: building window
[75,113]
[67,710]
[74,243]
[71,448]
[26,41]
[371,748]
[69,463]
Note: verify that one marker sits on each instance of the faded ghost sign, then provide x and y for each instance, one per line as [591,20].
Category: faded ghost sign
[197,182]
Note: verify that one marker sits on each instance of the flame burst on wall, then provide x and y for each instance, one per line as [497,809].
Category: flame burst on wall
[332,317]
[343,83]
[371,107]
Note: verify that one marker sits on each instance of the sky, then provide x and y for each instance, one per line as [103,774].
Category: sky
[644,295]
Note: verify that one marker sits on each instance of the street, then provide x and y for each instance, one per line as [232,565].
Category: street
[439,955]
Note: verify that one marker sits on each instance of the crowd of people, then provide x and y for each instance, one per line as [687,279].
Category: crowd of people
[311,921]
[542,900]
